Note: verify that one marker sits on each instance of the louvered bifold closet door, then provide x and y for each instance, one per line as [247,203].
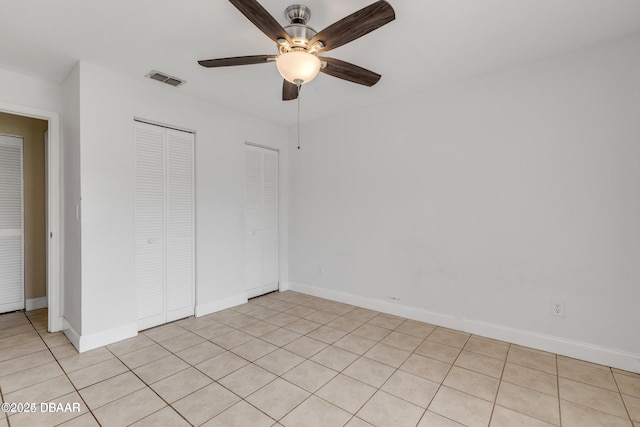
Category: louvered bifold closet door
[269,220]
[180,233]
[11,225]
[253,220]
[261,220]
[150,225]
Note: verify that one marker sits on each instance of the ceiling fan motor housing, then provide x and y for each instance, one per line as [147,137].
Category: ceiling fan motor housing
[298,15]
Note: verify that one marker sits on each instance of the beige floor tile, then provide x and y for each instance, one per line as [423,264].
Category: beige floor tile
[222,315]
[627,373]
[112,389]
[200,352]
[132,344]
[262,313]
[321,317]
[369,371]
[425,367]
[386,321]
[181,384]
[129,409]
[28,347]
[479,363]
[89,358]
[301,311]
[277,398]
[213,330]
[529,402]
[240,414]
[411,388]
[47,419]
[205,403]
[338,308]
[280,337]
[64,351]
[281,319]
[461,407]
[473,383]
[232,339]
[487,347]
[372,332]
[403,341]
[633,406]
[361,314]
[305,346]
[13,340]
[315,412]
[530,378]
[355,344]
[302,326]
[344,324]
[164,332]
[335,358]
[44,391]
[531,358]
[254,349]
[592,397]
[282,306]
[326,334]
[346,392]
[415,328]
[503,417]
[181,342]
[25,362]
[247,379]
[574,415]
[586,373]
[387,354]
[449,337]
[86,420]
[161,368]
[431,419]
[165,417]
[259,328]
[279,361]
[628,385]
[357,422]
[55,339]
[441,352]
[29,377]
[144,355]
[221,365]
[239,321]
[99,372]
[193,323]
[310,375]
[384,409]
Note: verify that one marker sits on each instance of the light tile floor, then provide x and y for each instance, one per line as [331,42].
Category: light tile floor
[289,359]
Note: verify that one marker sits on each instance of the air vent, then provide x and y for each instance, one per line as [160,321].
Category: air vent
[164,78]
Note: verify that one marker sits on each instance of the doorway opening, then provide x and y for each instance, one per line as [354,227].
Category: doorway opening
[39,133]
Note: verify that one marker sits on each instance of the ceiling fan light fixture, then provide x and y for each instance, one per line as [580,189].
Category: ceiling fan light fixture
[298,66]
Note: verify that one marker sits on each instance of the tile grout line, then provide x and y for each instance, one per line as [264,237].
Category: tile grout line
[64,371]
[495,399]
[624,403]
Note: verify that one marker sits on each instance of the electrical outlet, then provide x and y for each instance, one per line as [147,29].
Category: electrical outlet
[557,308]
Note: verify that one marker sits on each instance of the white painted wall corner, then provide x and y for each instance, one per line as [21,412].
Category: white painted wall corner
[36,303]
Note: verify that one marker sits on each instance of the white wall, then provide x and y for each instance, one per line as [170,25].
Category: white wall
[28,91]
[70,166]
[109,102]
[484,201]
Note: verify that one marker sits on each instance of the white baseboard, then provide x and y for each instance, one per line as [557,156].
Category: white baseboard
[577,349]
[284,286]
[213,306]
[88,342]
[36,303]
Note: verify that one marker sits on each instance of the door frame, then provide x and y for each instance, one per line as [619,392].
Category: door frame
[53,195]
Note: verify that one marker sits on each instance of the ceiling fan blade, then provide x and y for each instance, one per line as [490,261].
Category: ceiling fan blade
[236,60]
[289,91]
[346,71]
[355,25]
[261,19]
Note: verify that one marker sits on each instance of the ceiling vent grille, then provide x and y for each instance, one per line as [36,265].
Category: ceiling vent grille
[165,78]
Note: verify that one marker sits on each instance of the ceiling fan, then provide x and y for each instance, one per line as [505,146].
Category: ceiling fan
[299,44]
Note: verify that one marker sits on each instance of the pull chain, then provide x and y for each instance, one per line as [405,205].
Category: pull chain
[298,84]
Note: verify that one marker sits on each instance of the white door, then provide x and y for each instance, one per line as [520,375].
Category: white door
[11,224]
[261,220]
[164,225]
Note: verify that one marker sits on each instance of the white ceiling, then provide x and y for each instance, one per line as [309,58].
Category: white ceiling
[430,43]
